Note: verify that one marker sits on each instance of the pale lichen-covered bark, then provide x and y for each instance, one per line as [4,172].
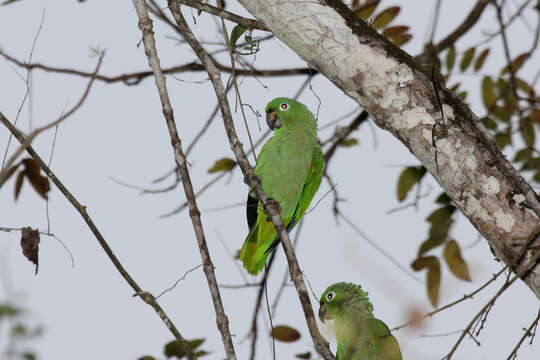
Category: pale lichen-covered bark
[400,97]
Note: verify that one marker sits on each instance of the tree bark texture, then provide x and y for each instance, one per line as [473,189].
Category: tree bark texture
[399,95]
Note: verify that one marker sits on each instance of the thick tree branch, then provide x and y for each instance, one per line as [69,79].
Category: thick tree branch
[399,95]
[145,24]
[270,206]
[81,209]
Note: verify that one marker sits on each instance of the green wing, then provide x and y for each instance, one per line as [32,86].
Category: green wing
[262,237]
[385,345]
[372,342]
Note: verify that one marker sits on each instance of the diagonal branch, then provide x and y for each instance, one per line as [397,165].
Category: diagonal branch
[81,209]
[39,130]
[270,206]
[224,14]
[145,24]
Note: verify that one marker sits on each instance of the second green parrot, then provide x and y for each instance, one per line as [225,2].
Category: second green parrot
[359,335]
[290,167]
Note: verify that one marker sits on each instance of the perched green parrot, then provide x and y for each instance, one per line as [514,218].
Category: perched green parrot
[359,335]
[290,167]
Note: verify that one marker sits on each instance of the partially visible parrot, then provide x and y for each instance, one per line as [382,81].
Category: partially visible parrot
[359,335]
[290,167]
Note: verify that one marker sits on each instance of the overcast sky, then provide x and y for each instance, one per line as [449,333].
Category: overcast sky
[88,311]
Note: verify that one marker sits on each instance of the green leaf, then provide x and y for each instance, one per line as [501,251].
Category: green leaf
[285,333]
[481,59]
[385,17]
[488,92]
[527,131]
[503,139]
[367,9]
[443,199]
[348,142]
[455,262]
[450,58]
[7,310]
[224,164]
[501,113]
[409,177]
[536,177]
[467,58]
[236,32]
[174,348]
[441,221]
[516,64]
[522,155]
[7,2]
[306,355]
[489,123]
[433,279]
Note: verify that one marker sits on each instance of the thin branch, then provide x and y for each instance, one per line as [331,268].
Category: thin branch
[37,131]
[245,22]
[528,332]
[183,277]
[81,209]
[145,25]
[449,305]
[462,29]
[135,78]
[270,206]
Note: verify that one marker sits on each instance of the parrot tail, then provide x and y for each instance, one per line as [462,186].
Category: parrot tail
[259,243]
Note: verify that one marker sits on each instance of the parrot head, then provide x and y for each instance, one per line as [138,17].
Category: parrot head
[337,298]
[284,111]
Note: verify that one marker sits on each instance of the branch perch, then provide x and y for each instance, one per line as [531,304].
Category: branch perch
[145,24]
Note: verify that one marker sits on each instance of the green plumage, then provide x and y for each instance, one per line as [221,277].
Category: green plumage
[360,336]
[290,167]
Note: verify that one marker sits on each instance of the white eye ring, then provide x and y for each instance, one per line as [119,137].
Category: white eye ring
[284,106]
[330,296]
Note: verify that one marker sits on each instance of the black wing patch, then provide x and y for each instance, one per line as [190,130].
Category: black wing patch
[251,211]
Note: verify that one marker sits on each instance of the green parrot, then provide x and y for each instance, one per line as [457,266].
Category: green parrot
[290,167]
[359,335]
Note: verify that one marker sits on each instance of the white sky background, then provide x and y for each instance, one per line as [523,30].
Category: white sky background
[88,312]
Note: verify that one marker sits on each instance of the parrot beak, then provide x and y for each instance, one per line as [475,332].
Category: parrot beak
[273,120]
[322,313]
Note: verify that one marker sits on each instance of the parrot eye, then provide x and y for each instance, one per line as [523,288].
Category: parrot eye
[329,296]
[284,106]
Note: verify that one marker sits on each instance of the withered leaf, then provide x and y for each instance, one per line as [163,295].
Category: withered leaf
[306,355]
[39,182]
[285,333]
[30,245]
[18,184]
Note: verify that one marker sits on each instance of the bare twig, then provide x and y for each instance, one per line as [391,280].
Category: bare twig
[37,131]
[145,25]
[245,22]
[449,305]
[135,78]
[183,277]
[462,29]
[81,209]
[528,332]
[270,206]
